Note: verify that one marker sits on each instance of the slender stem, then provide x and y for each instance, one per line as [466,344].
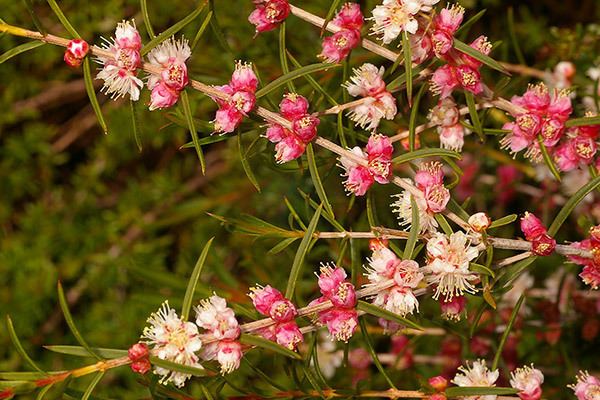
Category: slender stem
[341,107]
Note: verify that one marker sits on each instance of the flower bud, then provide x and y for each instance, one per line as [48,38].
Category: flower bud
[531,226]
[479,222]
[138,351]
[437,396]
[141,366]
[439,383]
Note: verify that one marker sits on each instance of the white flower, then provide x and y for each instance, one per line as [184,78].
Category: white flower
[529,381]
[213,315]
[120,69]
[401,301]
[476,375]
[403,208]
[382,265]
[394,16]
[169,56]
[174,340]
[366,81]
[449,265]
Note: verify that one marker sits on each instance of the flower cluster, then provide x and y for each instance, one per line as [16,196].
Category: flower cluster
[591,266]
[217,319]
[461,70]
[477,375]
[528,381]
[448,265]
[171,74]
[587,386]
[291,143]
[393,17]
[378,154]
[384,267]
[430,182]
[544,115]
[268,14]
[535,232]
[119,70]
[76,51]
[579,147]
[337,47]
[172,339]
[342,319]
[367,82]
[270,302]
[446,116]
[242,99]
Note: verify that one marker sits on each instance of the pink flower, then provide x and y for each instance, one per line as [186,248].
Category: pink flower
[528,381]
[119,71]
[293,106]
[444,81]
[449,18]
[330,278]
[349,17]
[452,309]
[213,315]
[468,77]
[283,311]
[437,197]
[264,297]
[162,96]
[288,335]
[543,245]
[587,387]
[76,51]
[479,222]
[421,47]
[358,181]
[531,226]
[305,128]
[269,14]
[241,89]
[229,355]
[288,149]
[341,323]
[591,275]
[338,46]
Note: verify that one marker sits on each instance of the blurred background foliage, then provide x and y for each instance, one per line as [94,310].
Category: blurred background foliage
[122,228]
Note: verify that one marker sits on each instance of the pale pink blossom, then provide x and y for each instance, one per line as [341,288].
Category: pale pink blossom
[587,386]
[448,265]
[268,14]
[229,355]
[119,71]
[288,335]
[403,208]
[172,339]
[476,375]
[213,315]
[288,149]
[528,381]
[367,82]
[479,222]
[341,323]
[393,17]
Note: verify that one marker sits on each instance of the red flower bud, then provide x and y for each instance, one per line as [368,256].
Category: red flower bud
[439,383]
[138,351]
[141,366]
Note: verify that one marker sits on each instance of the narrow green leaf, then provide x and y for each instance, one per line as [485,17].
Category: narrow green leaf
[146,16]
[318,184]
[167,33]
[135,123]
[458,391]
[481,269]
[312,379]
[407,52]
[313,82]
[22,376]
[246,164]
[193,282]
[571,204]
[15,51]
[36,21]
[258,341]
[330,15]
[206,392]
[510,17]
[297,73]
[82,352]
[173,366]
[279,247]
[511,322]
[412,124]
[443,222]
[595,120]
[202,29]
[19,347]
[509,219]
[474,115]
[487,60]
[548,159]
[413,235]
[88,392]
[301,253]
[187,110]
[315,205]
[69,319]
[283,57]
[63,20]
[423,153]
[385,314]
[512,272]
[43,391]
[372,352]
[91,92]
